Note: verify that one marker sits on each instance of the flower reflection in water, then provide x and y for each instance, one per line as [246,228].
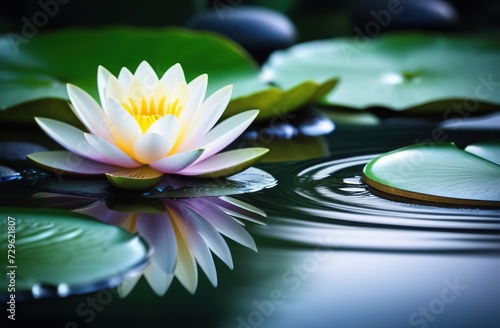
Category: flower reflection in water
[183,233]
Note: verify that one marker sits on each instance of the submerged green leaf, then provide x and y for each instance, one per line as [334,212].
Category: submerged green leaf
[439,173]
[60,253]
[33,76]
[400,71]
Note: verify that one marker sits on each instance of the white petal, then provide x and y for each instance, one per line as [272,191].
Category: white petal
[207,115]
[177,162]
[125,77]
[125,126]
[158,279]
[167,126]
[151,147]
[147,76]
[103,76]
[115,91]
[112,153]
[89,112]
[197,89]
[179,95]
[157,95]
[226,163]
[63,161]
[225,133]
[158,231]
[69,137]
[172,77]
[136,91]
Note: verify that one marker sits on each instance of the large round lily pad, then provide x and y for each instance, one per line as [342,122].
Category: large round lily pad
[39,69]
[399,71]
[58,253]
[439,173]
[171,186]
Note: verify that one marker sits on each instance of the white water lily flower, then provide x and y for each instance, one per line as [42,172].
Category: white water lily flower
[149,126]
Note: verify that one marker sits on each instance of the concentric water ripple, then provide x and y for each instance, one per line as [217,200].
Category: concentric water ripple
[326,203]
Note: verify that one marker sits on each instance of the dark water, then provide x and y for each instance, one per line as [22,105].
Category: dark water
[327,200]
[331,254]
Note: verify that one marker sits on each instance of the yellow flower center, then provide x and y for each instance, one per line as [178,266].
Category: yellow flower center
[146,113]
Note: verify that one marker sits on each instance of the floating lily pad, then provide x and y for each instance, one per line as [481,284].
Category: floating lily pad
[38,71]
[399,71]
[488,149]
[439,173]
[171,186]
[58,253]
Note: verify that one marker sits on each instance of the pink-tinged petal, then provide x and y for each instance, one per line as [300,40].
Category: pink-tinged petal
[125,77]
[89,112]
[225,133]
[110,152]
[151,147]
[196,244]
[225,224]
[103,76]
[61,162]
[196,89]
[172,77]
[158,231]
[125,126]
[177,162]
[158,279]
[226,164]
[178,97]
[147,76]
[167,126]
[210,235]
[71,138]
[207,115]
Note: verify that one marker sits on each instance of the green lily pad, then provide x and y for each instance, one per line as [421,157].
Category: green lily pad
[58,253]
[440,173]
[399,71]
[248,181]
[171,186]
[488,149]
[39,70]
